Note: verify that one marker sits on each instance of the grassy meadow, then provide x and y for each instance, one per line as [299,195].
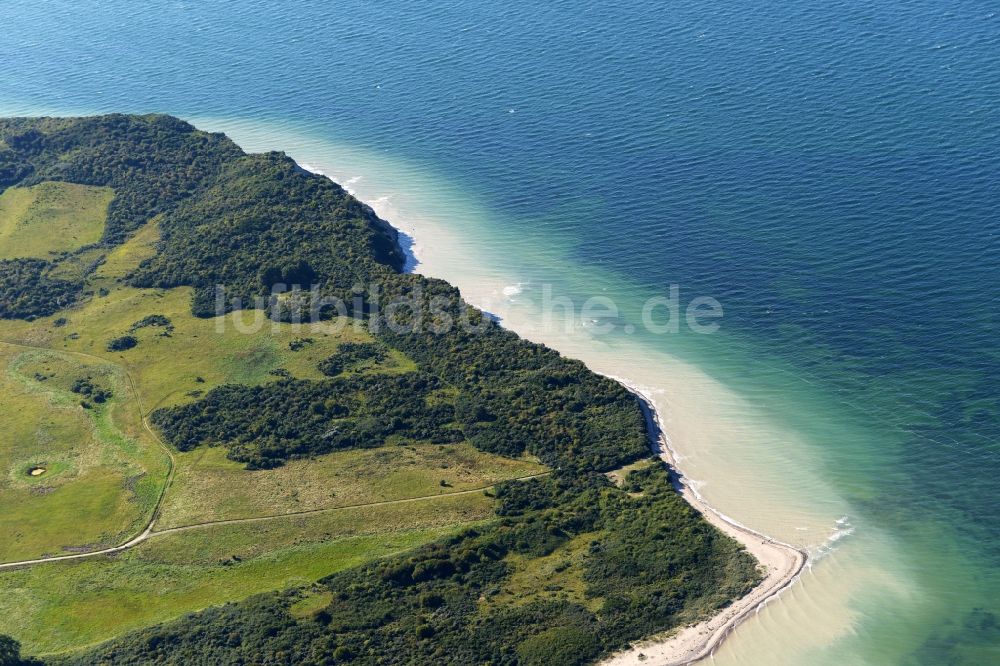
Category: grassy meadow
[51,218]
[74,477]
[63,605]
[208,486]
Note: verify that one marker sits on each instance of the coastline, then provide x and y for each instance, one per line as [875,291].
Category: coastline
[782,562]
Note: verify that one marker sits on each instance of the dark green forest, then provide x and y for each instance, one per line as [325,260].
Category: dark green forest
[257,224]
[263,426]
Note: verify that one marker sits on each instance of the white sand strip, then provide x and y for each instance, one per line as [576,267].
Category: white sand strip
[782,563]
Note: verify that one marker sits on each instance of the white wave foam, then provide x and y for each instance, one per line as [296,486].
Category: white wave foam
[311,169]
[512,290]
[842,529]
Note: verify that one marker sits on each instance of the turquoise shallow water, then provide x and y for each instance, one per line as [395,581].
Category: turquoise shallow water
[829,172]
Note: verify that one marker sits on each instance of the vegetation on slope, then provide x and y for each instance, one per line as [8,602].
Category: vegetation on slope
[650,562]
[152,163]
[270,223]
[433,373]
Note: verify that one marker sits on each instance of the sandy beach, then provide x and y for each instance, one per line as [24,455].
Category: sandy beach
[782,563]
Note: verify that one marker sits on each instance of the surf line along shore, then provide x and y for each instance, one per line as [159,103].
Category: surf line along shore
[782,565]
[782,562]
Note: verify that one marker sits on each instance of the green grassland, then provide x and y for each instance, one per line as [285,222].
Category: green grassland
[51,218]
[63,605]
[208,486]
[172,367]
[198,354]
[102,471]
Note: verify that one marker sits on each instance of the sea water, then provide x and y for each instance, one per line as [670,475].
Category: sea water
[828,172]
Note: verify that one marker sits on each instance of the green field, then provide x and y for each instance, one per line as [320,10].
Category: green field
[74,478]
[51,218]
[57,606]
[207,486]
[62,605]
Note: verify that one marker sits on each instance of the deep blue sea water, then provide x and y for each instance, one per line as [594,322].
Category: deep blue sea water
[829,171]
